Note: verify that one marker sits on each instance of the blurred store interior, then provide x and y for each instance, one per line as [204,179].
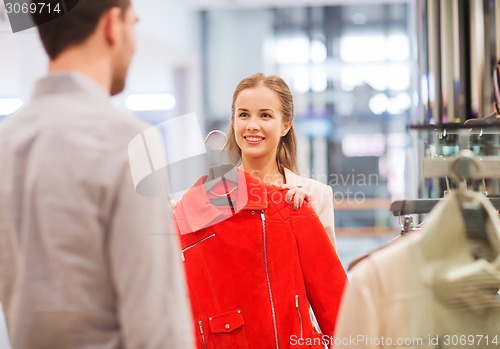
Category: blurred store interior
[361,71]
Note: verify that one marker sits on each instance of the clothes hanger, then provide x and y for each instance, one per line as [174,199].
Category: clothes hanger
[225,173]
[441,167]
[222,171]
[464,167]
[474,214]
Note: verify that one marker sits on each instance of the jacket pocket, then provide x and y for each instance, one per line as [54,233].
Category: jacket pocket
[228,330]
[187,248]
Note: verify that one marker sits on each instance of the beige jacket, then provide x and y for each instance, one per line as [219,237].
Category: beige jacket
[322,201]
[85,262]
[435,289]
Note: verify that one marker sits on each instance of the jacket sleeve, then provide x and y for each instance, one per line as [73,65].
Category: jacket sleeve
[152,307]
[324,275]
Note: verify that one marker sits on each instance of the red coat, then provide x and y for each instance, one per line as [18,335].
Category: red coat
[252,276]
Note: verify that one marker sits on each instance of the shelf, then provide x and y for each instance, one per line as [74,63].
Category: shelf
[367,204]
[366,231]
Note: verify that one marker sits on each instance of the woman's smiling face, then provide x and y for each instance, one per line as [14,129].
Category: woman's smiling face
[258,123]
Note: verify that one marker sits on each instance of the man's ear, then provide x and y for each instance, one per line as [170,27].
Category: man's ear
[113,21]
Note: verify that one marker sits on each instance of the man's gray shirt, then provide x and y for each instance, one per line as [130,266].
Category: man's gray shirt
[85,262]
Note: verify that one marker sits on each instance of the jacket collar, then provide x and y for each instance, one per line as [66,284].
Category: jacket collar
[446,226]
[200,213]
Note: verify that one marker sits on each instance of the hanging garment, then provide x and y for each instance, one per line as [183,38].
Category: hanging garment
[406,230]
[357,260]
[437,289]
[252,275]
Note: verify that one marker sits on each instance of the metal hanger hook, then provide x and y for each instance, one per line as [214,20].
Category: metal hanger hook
[465,159]
[219,132]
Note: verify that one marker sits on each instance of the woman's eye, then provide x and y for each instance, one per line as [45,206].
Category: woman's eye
[266,116]
[243,115]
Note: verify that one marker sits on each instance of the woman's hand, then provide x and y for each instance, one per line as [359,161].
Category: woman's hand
[296,194]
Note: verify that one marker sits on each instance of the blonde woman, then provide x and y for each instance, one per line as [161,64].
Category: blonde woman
[261,134]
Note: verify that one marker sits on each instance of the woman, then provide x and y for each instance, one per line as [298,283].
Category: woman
[262,135]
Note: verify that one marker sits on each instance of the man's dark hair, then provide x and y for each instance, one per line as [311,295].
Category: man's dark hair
[75,26]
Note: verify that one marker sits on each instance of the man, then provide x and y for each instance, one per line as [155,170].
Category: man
[85,262]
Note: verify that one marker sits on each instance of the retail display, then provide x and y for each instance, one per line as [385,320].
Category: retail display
[435,289]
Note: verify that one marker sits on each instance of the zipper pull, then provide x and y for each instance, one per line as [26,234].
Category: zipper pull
[297,301]
[182,256]
[262,215]
[200,324]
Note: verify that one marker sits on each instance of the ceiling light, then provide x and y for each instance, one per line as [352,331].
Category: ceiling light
[359,18]
[9,106]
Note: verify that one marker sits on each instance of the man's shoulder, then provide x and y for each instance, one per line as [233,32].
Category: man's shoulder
[99,126]
[73,100]
[127,122]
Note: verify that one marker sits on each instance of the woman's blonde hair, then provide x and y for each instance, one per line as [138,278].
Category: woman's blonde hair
[286,156]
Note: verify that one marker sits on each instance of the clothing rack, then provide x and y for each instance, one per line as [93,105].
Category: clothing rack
[488,167]
[463,167]
[420,206]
